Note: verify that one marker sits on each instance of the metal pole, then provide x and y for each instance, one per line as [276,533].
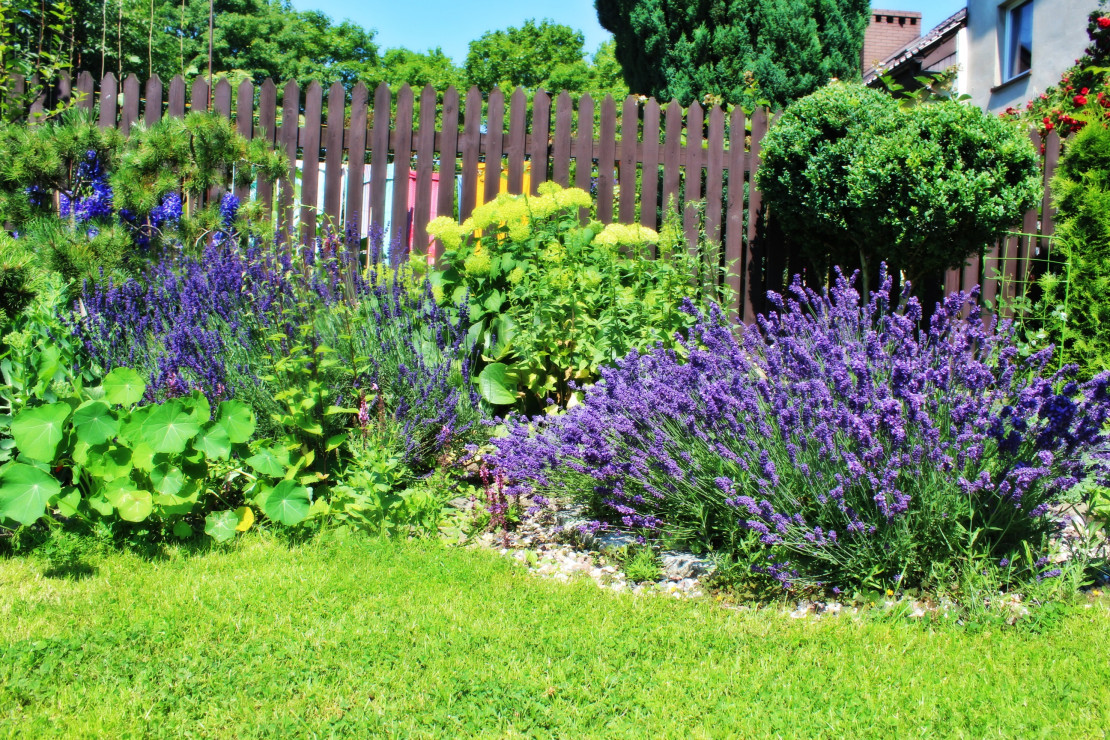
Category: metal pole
[211,23]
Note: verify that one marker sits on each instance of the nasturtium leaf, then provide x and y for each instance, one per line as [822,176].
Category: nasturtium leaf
[495,385]
[146,459]
[67,501]
[132,504]
[101,505]
[214,442]
[269,461]
[123,386]
[288,503]
[176,505]
[167,479]
[220,525]
[24,492]
[131,426]
[39,431]
[238,420]
[94,422]
[196,403]
[183,531]
[169,427]
[108,462]
[246,518]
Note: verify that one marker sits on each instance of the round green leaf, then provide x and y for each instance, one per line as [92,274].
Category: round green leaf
[167,479]
[38,431]
[131,425]
[101,505]
[220,525]
[24,492]
[238,419]
[288,503]
[495,385]
[183,531]
[269,461]
[123,386]
[95,422]
[108,462]
[196,403]
[214,443]
[133,505]
[68,501]
[168,428]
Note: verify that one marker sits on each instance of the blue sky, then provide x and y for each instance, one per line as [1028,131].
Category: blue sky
[452,24]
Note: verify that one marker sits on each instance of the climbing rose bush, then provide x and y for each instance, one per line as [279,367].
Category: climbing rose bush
[838,441]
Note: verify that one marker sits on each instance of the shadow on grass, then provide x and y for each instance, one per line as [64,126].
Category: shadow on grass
[70,570]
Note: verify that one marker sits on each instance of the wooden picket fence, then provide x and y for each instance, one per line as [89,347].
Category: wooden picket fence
[661,155]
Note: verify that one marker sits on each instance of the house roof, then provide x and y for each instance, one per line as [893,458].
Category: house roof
[942,31]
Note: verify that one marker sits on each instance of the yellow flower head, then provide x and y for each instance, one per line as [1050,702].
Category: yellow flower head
[477,264]
[625,234]
[516,275]
[447,231]
[549,188]
[554,253]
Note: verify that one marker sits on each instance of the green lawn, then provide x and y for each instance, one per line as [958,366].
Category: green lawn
[363,638]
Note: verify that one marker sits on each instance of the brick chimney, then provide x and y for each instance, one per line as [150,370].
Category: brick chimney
[888,31]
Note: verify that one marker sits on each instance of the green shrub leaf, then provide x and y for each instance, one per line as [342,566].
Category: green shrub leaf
[167,479]
[214,442]
[94,422]
[132,504]
[169,427]
[288,503]
[38,431]
[123,386]
[24,492]
[182,531]
[269,461]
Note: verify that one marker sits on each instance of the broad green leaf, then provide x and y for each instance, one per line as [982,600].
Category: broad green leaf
[24,492]
[176,505]
[220,525]
[269,461]
[131,426]
[246,518]
[38,431]
[94,422]
[108,462]
[133,504]
[183,531]
[167,479]
[336,441]
[168,428]
[238,420]
[146,459]
[102,505]
[214,442]
[123,386]
[197,405]
[68,501]
[495,385]
[309,425]
[288,503]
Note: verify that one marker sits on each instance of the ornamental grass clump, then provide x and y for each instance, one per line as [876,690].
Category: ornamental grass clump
[837,444]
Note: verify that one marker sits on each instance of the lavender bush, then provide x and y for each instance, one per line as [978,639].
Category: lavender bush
[839,439]
[227,323]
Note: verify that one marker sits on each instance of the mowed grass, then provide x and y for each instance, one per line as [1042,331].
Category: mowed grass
[380,639]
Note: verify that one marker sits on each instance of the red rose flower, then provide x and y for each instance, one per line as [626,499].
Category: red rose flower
[1103,22]
[1079,100]
[1084,91]
[1048,126]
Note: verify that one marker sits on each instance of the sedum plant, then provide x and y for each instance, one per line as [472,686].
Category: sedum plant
[837,443]
[551,300]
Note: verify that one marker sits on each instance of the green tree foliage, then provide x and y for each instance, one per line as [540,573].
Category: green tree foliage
[418,69]
[855,179]
[742,51]
[1081,190]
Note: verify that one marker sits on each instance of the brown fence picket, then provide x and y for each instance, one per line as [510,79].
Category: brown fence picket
[64,87]
[649,180]
[495,123]
[402,160]
[221,98]
[198,95]
[757,283]
[267,129]
[289,138]
[356,160]
[734,217]
[310,169]
[606,159]
[333,157]
[517,132]
[448,156]
[691,219]
[470,149]
[560,148]
[152,112]
[425,160]
[109,93]
[1051,160]
[541,138]
[584,143]
[130,104]
[84,88]
[630,130]
[714,174]
[379,156]
[244,124]
[175,107]
[672,150]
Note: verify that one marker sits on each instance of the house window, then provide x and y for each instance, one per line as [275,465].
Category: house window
[1017,54]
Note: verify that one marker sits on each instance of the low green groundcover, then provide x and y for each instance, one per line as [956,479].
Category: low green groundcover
[371,638]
